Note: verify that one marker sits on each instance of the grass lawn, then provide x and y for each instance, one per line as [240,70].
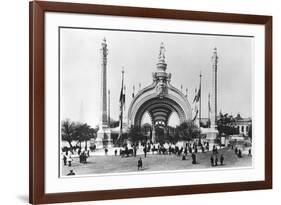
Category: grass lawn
[118,164]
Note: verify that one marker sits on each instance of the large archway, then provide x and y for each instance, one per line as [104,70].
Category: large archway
[159,100]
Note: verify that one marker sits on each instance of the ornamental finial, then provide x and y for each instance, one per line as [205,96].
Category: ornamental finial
[161,65]
[162,53]
[215,56]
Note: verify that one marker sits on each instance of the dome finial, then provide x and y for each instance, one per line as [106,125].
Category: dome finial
[162,53]
[161,65]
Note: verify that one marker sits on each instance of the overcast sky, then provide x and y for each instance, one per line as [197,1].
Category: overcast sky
[137,52]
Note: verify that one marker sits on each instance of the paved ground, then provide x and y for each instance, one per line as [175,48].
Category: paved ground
[115,164]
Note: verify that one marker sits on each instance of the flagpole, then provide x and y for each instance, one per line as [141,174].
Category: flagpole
[121,118]
[121,109]
[200,101]
[209,121]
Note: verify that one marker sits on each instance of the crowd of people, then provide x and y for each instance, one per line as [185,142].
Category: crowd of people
[83,155]
[191,148]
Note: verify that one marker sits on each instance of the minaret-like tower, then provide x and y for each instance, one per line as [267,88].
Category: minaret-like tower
[104,133]
[214,89]
[103,108]
[212,132]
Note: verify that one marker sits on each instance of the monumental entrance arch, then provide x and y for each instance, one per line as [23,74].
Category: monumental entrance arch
[159,100]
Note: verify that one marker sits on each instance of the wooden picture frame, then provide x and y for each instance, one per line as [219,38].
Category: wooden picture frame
[37,97]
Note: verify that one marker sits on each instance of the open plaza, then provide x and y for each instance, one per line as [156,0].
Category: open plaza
[99,163]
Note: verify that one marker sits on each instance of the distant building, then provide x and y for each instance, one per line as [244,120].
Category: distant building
[243,124]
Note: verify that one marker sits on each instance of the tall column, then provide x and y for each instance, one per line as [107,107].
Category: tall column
[213,114]
[104,133]
[212,132]
[104,53]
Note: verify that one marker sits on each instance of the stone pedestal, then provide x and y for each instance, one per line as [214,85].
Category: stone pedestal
[211,135]
[104,138]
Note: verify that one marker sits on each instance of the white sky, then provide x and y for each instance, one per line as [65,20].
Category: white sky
[137,52]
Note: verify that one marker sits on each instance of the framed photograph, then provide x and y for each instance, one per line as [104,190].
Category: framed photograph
[139,102]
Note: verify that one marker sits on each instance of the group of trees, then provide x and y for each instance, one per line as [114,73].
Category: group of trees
[186,131]
[137,133]
[75,131]
[225,124]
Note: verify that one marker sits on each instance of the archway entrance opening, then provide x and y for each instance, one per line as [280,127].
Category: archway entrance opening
[160,114]
[160,127]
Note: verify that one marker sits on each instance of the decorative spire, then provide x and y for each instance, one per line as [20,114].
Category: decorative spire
[162,53]
[215,57]
[104,48]
[161,65]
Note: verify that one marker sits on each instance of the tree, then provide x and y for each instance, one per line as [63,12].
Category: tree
[187,131]
[172,135]
[84,133]
[225,124]
[68,132]
[136,133]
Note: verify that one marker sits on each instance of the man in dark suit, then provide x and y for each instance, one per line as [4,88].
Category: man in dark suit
[212,160]
[221,159]
[140,164]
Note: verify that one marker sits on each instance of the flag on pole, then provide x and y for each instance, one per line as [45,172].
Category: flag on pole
[197,96]
[209,104]
[122,102]
[196,114]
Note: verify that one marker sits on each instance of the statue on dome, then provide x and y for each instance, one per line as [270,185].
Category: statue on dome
[162,52]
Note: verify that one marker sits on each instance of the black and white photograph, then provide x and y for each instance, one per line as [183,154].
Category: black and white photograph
[136,102]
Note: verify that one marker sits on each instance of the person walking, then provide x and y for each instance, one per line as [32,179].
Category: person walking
[221,159]
[212,160]
[145,151]
[239,153]
[250,152]
[140,164]
[115,152]
[135,150]
[193,156]
[64,159]
[69,160]
[105,151]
